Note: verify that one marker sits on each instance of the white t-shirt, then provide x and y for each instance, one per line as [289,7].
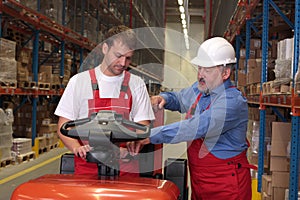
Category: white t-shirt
[74,101]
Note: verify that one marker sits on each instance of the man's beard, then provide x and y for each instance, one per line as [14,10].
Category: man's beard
[206,90]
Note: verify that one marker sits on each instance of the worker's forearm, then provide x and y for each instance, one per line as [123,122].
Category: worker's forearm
[70,143]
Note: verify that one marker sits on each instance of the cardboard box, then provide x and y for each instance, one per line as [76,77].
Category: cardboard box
[7,49]
[243,53]
[279,148]
[22,75]
[258,53]
[242,78]
[48,128]
[255,44]
[274,48]
[46,68]
[258,63]
[280,179]
[267,184]
[269,120]
[281,134]
[8,68]
[242,64]
[252,54]
[278,193]
[254,76]
[251,63]
[264,196]
[280,164]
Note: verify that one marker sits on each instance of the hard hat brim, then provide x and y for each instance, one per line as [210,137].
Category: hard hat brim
[199,62]
[206,62]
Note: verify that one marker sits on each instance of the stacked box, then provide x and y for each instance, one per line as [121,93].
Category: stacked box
[48,130]
[22,72]
[45,73]
[21,146]
[255,44]
[283,63]
[266,188]
[279,166]
[7,49]
[242,78]
[42,142]
[253,138]
[55,63]
[6,120]
[8,68]
[8,64]
[23,119]
[25,56]
[254,71]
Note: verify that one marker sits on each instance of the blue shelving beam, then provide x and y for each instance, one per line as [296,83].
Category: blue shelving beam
[248,37]
[35,68]
[295,138]
[237,55]
[262,112]
[62,56]
[82,33]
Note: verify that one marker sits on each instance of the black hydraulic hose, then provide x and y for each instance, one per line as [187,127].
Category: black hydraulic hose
[64,128]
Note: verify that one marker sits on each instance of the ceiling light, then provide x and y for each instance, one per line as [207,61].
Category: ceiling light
[180,2]
[185,31]
[181,9]
[182,15]
[183,21]
[187,43]
[183,25]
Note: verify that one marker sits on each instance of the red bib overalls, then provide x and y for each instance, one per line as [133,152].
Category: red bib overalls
[121,105]
[213,178]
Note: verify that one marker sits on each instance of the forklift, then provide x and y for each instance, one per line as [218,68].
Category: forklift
[105,131]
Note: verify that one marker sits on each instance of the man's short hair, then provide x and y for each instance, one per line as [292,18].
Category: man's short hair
[123,33]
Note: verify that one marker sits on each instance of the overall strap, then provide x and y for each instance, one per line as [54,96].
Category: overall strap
[125,86]
[125,90]
[192,109]
[94,82]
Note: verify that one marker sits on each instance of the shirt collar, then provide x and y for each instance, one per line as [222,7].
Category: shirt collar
[227,84]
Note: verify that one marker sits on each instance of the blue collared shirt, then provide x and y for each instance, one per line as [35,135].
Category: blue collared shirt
[223,126]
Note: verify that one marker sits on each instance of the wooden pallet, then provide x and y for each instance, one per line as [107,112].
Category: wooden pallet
[8,84]
[27,84]
[5,162]
[25,157]
[52,146]
[16,36]
[276,87]
[44,86]
[55,86]
[43,150]
[253,89]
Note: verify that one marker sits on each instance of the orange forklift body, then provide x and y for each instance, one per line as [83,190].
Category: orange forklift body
[66,186]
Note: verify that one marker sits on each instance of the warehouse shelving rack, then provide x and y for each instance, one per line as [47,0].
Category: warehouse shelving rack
[41,28]
[292,101]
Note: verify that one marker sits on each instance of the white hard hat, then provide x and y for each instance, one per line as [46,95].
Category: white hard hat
[213,52]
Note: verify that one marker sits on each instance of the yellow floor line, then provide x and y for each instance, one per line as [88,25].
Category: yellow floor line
[30,169]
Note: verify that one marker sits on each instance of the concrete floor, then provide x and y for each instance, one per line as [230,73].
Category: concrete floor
[13,175]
